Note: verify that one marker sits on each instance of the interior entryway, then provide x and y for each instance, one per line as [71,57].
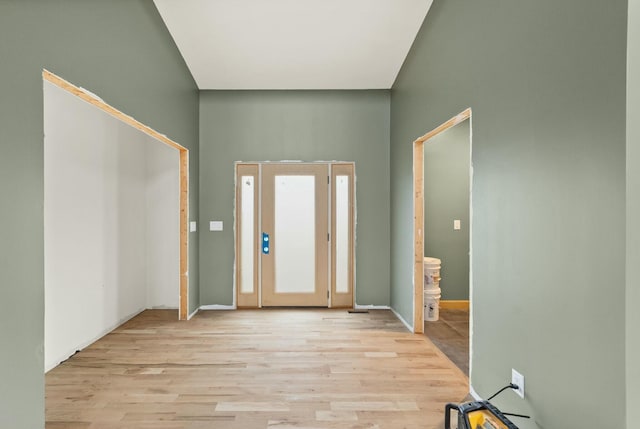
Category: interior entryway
[419,215]
[442,196]
[295,234]
[115,219]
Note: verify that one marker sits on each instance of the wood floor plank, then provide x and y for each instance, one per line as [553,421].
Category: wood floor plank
[255,369]
[336,416]
[253,406]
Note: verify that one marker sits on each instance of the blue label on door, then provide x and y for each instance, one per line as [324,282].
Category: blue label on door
[265,243]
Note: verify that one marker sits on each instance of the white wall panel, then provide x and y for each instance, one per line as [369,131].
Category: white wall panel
[163,221]
[111,234]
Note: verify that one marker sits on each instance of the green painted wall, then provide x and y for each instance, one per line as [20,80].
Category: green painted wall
[446,197]
[119,49]
[302,125]
[548,240]
[633,213]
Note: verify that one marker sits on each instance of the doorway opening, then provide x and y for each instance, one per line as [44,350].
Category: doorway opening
[115,213]
[442,174]
[295,234]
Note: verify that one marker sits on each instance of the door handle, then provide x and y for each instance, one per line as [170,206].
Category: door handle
[266,245]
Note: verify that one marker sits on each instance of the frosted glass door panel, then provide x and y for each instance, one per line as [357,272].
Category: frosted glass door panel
[342,234]
[246,231]
[294,234]
[247,219]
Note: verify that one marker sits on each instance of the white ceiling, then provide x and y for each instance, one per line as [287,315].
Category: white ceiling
[294,44]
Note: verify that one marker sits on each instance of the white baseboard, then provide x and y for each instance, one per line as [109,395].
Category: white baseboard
[217,307]
[384,307]
[233,307]
[404,322]
[474,394]
[193,314]
[371,307]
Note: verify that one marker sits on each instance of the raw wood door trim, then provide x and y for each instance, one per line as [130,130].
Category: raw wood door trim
[463,116]
[418,239]
[269,172]
[183,311]
[246,299]
[418,216]
[342,299]
[183,174]
[100,104]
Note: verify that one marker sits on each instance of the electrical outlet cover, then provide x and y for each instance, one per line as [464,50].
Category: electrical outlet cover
[518,379]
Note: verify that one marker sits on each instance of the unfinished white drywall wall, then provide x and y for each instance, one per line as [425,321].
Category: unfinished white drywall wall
[163,220]
[108,225]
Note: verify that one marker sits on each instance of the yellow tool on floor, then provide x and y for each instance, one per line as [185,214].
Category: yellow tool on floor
[477,415]
[481,414]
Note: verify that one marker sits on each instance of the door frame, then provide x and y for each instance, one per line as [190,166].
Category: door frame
[183,309]
[241,302]
[418,217]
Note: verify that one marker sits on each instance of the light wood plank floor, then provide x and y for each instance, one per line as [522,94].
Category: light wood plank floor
[246,369]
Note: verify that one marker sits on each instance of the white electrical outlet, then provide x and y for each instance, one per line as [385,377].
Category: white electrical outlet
[456,224]
[518,379]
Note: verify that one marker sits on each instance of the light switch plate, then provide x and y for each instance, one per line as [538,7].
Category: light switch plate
[456,224]
[215,225]
[192,226]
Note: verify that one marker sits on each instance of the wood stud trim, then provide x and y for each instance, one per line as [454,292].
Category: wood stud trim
[183,313]
[418,236]
[463,116]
